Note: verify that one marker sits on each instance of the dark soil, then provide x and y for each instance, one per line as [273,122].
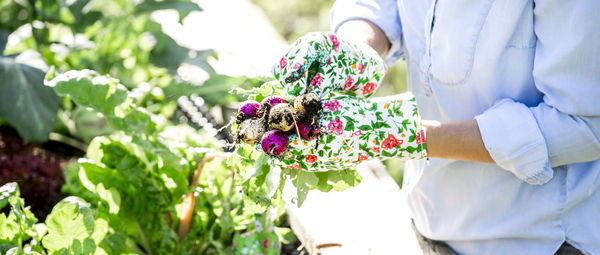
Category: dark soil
[282,117]
[264,110]
[308,106]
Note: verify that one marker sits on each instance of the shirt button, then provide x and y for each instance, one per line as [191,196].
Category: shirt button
[425,84]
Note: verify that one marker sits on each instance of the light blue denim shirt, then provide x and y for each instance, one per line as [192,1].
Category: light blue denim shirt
[529,73]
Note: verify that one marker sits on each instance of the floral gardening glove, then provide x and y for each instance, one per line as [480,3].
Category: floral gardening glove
[263,240]
[356,129]
[323,63]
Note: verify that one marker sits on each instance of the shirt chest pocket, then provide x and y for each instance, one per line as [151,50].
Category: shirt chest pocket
[455,31]
[466,32]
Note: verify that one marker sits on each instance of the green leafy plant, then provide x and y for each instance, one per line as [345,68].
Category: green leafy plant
[72,227]
[164,188]
[24,102]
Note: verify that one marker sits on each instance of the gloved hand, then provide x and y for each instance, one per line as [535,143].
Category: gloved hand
[352,128]
[322,63]
[355,129]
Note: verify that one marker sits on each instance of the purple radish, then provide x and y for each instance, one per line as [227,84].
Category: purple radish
[282,117]
[273,100]
[249,109]
[275,143]
[251,131]
[308,132]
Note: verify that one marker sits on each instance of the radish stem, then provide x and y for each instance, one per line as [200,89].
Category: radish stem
[297,131]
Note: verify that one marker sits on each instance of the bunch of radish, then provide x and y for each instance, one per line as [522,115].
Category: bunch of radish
[273,120]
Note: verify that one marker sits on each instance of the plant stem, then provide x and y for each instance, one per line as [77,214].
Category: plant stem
[144,239]
[208,157]
[68,140]
[187,209]
[188,202]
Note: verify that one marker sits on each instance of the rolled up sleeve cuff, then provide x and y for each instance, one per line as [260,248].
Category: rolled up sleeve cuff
[513,138]
[384,14]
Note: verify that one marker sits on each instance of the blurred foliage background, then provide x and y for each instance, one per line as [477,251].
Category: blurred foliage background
[119,38]
[294,18]
[116,104]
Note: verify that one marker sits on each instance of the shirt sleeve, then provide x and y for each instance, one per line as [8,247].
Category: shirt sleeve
[565,127]
[382,13]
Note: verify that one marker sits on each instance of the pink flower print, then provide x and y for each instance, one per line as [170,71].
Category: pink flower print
[357,133]
[335,41]
[328,60]
[390,142]
[369,88]
[337,126]
[361,67]
[265,243]
[311,158]
[349,82]
[297,65]
[295,167]
[332,105]
[317,80]
[420,137]
[282,63]
[362,157]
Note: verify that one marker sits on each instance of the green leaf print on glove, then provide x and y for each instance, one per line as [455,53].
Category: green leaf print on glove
[263,240]
[356,129]
[323,63]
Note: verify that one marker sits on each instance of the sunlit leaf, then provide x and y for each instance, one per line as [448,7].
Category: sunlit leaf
[71,221]
[215,91]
